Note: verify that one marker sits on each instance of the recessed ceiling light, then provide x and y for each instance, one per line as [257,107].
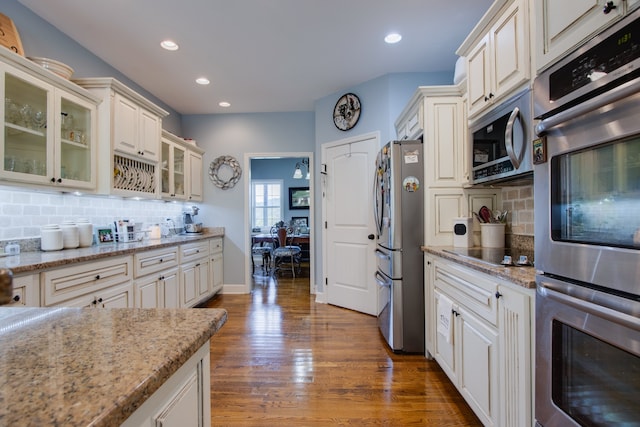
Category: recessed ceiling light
[169,45]
[393,38]
[224,104]
[202,81]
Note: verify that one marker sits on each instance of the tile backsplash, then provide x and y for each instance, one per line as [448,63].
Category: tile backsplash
[23,212]
[519,202]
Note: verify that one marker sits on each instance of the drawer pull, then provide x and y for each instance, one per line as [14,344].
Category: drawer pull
[16,298]
[99,299]
[161,260]
[498,294]
[98,277]
[94,302]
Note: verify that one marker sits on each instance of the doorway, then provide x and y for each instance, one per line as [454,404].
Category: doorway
[266,171]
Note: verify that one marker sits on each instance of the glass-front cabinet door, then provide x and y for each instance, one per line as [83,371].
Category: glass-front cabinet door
[172,172]
[49,133]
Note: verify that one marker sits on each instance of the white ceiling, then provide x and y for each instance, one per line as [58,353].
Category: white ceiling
[263,55]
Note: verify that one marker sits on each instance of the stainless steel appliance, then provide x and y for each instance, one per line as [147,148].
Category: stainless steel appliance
[398,213]
[501,141]
[190,226]
[587,233]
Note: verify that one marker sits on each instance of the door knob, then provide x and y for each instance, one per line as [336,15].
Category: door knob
[371,237]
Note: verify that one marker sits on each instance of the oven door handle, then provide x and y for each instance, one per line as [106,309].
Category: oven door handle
[606,98]
[508,139]
[615,309]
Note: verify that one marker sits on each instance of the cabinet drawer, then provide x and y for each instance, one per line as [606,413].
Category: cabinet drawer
[26,291]
[215,245]
[70,282]
[156,260]
[471,289]
[194,251]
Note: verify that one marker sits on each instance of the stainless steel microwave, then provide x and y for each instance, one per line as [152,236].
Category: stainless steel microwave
[502,141]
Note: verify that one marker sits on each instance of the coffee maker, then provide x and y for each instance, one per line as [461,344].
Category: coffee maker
[189,226]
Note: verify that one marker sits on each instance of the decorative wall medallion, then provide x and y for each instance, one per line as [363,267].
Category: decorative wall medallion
[347,111]
[231,165]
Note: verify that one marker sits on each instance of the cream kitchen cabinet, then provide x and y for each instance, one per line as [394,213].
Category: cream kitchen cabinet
[49,136]
[479,329]
[195,188]
[26,291]
[410,123]
[216,264]
[173,180]
[194,273]
[160,290]
[99,283]
[497,55]
[129,131]
[562,26]
[184,400]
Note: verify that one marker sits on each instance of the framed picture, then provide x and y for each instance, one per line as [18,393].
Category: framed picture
[300,221]
[299,198]
[104,235]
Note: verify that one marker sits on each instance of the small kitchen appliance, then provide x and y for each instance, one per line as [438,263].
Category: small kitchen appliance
[463,232]
[190,226]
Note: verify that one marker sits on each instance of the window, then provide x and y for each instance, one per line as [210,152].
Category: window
[266,203]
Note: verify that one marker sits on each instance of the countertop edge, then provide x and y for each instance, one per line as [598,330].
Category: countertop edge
[524,277]
[27,262]
[125,406]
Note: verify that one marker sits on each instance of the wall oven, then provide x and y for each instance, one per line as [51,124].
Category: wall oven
[587,233]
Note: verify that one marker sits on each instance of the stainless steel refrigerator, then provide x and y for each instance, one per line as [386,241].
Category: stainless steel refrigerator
[399,215]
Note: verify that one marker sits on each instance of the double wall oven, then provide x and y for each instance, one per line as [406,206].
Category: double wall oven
[587,238]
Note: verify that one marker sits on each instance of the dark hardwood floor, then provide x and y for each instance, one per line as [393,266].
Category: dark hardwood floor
[284,360]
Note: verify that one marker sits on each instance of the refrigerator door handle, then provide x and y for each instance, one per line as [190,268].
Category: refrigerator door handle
[382,281]
[383,255]
[377,215]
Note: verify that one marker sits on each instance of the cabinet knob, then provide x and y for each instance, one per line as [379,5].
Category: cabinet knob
[161,278]
[498,294]
[371,237]
[53,179]
[160,259]
[94,302]
[609,7]
[59,180]
[16,298]
[99,299]
[98,277]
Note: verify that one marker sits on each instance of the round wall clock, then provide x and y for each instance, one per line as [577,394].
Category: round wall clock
[347,111]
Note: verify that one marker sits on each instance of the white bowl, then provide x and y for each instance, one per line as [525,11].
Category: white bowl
[54,66]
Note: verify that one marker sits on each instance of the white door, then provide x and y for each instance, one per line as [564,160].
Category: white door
[349,247]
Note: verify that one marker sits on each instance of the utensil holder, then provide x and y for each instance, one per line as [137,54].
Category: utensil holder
[492,235]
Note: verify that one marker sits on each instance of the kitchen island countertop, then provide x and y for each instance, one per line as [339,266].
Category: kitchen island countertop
[80,367]
[521,276]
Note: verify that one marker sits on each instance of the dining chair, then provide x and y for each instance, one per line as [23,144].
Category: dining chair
[286,256]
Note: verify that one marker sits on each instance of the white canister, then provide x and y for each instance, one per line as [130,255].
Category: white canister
[463,232]
[51,238]
[85,232]
[70,235]
[155,232]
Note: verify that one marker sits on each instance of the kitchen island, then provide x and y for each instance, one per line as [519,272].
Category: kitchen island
[80,367]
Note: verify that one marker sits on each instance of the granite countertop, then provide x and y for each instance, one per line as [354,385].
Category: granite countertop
[521,276]
[39,260]
[80,367]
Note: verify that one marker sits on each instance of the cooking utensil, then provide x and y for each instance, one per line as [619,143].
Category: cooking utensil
[193,228]
[485,214]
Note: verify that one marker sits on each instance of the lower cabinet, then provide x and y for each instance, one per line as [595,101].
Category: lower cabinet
[26,291]
[479,330]
[105,283]
[194,282]
[161,290]
[216,266]
[184,400]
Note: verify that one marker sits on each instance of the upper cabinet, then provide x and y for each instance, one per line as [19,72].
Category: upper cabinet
[181,169]
[497,54]
[49,123]
[130,129]
[563,26]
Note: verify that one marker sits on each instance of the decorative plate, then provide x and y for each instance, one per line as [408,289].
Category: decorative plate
[347,111]
[230,163]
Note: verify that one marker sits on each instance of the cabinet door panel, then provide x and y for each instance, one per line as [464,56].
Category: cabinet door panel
[189,286]
[511,66]
[478,367]
[171,289]
[443,350]
[195,176]
[117,297]
[148,293]
[125,126]
[150,129]
[183,408]
[204,284]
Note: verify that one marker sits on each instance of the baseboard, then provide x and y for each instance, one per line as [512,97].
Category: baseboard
[234,289]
